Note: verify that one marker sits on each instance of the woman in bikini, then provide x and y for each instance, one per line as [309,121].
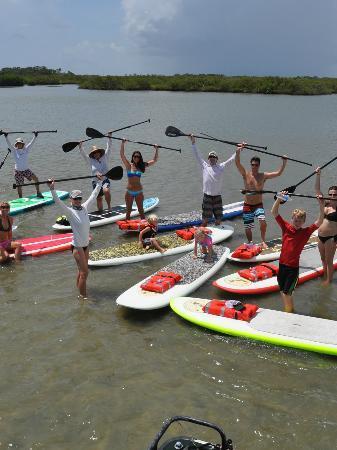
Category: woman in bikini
[135,168]
[327,232]
[7,245]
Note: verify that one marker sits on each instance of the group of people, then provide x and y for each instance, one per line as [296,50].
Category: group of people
[294,234]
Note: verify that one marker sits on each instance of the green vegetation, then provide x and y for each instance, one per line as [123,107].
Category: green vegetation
[17,76]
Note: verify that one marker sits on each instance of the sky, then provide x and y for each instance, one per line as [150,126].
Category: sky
[230,37]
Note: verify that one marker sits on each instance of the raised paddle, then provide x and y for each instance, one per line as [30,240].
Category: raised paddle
[97,134]
[255,148]
[248,192]
[175,132]
[292,188]
[27,132]
[3,161]
[116,173]
[68,146]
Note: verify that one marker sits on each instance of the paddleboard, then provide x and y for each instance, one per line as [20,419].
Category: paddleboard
[43,245]
[195,273]
[310,267]
[193,218]
[24,204]
[131,252]
[274,327]
[271,253]
[99,218]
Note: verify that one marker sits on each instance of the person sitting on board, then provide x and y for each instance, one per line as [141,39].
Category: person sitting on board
[98,160]
[294,238]
[78,217]
[135,168]
[147,237]
[327,232]
[212,179]
[254,181]
[7,245]
[202,236]
[20,152]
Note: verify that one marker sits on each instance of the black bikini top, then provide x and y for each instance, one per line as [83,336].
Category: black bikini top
[332,217]
[2,228]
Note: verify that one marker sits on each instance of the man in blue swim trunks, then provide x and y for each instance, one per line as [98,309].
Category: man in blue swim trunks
[254,181]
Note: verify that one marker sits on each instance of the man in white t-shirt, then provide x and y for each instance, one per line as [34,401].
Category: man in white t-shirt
[20,153]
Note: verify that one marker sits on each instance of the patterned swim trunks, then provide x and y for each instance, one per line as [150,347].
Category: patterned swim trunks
[252,211]
[20,176]
[212,204]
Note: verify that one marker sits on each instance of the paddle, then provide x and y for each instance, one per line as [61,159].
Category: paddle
[68,146]
[292,188]
[97,134]
[3,161]
[175,132]
[27,132]
[254,148]
[116,173]
[248,192]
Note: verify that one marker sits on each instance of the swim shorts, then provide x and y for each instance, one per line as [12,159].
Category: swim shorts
[20,176]
[212,204]
[252,211]
[6,245]
[105,184]
[287,278]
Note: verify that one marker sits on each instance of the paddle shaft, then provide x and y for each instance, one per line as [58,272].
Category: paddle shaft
[3,161]
[235,143]
[28,132]
[244,191]
[256,149]
[56,181]
[313,173]
[146,143]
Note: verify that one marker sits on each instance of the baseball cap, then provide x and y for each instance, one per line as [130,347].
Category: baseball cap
[76,194]
[19,141]
[212,154]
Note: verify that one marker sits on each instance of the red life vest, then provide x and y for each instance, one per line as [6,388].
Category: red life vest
[186,234]
[219,308]
[134,225]
[260,272]
[161,282]
[246,251]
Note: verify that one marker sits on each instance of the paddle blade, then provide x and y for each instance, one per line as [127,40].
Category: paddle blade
[290,189]
[69,146]
[173,132]
[116,173]
[92,133]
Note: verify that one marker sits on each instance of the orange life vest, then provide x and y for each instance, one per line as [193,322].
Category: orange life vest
[219,308]
[260,272]
[133,225]
[246,251]
[161,282]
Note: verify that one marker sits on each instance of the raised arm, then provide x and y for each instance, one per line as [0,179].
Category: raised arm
[318,182]
[320,218]
[84,155]
[269,175]
[109,146]
[238,164]
[56,198]
[276,206]
[196,152]
[27,147]
[155,156]
[95,192]
[11,146]
[123,157]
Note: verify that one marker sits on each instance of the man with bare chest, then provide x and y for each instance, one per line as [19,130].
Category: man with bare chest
[254,181]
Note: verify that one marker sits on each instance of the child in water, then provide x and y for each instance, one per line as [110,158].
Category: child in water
[147,237]
[203,237]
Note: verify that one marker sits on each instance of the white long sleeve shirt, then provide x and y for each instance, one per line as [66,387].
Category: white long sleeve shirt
[212,176]
[79,219]
[20,156]
[98,165]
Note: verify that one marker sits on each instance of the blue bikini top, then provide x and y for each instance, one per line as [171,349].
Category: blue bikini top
[137,173]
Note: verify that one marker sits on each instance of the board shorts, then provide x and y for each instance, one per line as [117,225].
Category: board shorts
[287,278]
[252,211]
[20,176]
[105,184]
[147,242]
[212,204]
[6,245]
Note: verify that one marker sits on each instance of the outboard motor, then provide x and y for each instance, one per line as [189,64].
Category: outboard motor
[189,443]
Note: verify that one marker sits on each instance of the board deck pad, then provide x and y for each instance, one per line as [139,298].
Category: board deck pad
[296,326]
[115,211]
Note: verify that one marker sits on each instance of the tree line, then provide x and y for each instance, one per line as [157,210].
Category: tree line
[41,75]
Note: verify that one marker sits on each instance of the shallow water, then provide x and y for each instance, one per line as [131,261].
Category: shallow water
[97,376]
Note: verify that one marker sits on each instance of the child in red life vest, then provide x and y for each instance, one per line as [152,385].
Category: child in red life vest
[294,238]
[203,237]
[147,237]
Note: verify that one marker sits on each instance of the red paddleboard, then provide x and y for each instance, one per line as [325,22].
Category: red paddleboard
[43,245]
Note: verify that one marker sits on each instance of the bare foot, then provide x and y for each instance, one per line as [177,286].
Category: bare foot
[264,245]
[325,283]
[162,251]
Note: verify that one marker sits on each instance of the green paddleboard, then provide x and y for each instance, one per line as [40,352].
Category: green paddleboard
[20,205]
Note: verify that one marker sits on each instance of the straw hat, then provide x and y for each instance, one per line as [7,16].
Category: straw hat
[95,150]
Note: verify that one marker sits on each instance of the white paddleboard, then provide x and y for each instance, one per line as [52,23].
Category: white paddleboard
[100,218]
[96,258]
[310,267]
[195,273]
[275,327]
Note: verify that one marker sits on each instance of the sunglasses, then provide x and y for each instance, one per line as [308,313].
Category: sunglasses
[212,156]
[77,198]
[255,164]
[136,156]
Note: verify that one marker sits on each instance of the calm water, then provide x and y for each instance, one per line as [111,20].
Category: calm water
[97,376]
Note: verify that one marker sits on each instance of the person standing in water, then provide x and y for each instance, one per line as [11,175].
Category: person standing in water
[98,162]
[78,217]
[7,245]
[254,181]
[135,168]
[20,152]
[212,179]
